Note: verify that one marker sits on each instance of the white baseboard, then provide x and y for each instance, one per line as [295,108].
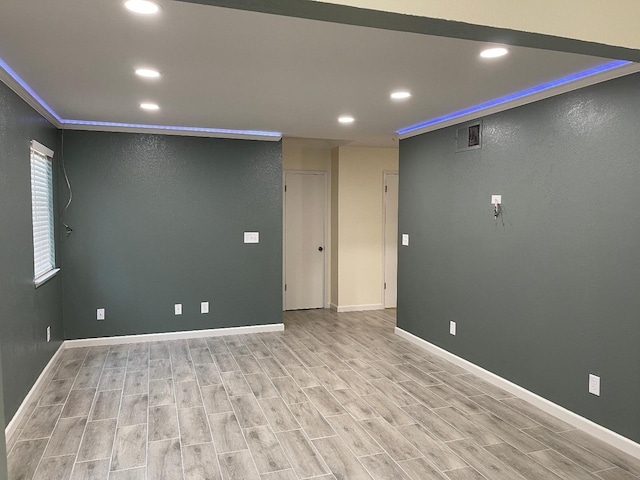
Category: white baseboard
[609,436]
[357,308]
[333,307]
[39,383]
[154,337]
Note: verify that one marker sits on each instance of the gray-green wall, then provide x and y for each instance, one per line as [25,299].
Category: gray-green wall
[553,294]
[159,220]
[25,312]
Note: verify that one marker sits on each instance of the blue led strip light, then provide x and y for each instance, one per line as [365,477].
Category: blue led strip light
[28,89]
[219,131]
[517,95]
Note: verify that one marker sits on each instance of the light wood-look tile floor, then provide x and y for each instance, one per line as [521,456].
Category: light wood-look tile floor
[334,396]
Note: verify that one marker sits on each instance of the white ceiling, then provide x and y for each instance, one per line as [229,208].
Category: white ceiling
[233,69]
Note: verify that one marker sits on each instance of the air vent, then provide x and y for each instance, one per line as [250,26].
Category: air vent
[469,137]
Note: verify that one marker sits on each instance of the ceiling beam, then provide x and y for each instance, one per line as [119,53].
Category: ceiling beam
[547,25]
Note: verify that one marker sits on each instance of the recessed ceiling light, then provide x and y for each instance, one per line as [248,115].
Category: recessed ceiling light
[149,106]
[346,119]
[494,52]
[144,7]
[400,95]
[147,73]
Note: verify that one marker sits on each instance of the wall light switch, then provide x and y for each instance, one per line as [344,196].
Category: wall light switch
[405,239]
[251,237]
[594,385]
[496,198]
[48,334]
[178,308]
[452,328]
[100,314]
[204,307]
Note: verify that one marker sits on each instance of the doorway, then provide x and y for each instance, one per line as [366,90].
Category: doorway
[390,239]
[305,204]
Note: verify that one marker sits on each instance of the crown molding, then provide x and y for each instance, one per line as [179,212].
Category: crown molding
[569,86]
[20,88]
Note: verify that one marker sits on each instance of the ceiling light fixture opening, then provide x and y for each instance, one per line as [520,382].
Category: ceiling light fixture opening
[346,119]
[494,52]
[150,106]
[400,95]
[147,73]
[143,7]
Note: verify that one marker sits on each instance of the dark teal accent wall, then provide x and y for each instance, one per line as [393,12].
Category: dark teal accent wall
[25,312]
[159,220]
[549,292]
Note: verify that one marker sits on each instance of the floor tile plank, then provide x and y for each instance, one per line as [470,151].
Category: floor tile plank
[340,460]
[130,447]
[165,460]
[200,462]
[226,431]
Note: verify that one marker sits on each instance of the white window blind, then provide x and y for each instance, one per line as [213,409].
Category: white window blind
[44,255]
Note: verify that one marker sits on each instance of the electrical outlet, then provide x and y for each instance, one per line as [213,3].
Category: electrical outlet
[178,308]
[48,334]
[594,385]
[251,237]
[452,328]
[496,199]
[405,239]
[100,314]
[204,307]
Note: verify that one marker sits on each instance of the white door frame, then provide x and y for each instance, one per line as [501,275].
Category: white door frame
[327,250]
[385,174]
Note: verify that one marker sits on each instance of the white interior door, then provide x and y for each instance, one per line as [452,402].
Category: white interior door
[390,239]
[304,243]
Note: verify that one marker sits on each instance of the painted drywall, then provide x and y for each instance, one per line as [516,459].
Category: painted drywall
[548,293]
[25,312]
[360,224]
[159,220]
[305,156]
[588,20]
[300,155]
[590,28]
[335,183]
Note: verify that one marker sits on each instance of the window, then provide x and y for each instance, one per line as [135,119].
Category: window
[44,254]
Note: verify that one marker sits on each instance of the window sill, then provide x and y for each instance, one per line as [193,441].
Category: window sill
[42,279]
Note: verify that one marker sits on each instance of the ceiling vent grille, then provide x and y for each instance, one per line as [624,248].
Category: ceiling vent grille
[469,137]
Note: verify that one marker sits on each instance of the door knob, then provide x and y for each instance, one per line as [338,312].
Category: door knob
[320,249]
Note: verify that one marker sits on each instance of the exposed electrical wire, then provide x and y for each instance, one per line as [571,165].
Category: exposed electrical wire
[66,179]
[502,214]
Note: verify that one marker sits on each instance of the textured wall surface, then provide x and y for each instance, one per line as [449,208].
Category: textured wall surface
[549,292]
[159,220]
[25,312]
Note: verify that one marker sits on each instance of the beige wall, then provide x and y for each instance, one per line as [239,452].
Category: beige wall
[355,252]
[360,248]
[298,156]
[610,23]
[310,155]
[335,185]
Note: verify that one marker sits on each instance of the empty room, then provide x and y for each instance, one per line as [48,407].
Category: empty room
[319,239]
